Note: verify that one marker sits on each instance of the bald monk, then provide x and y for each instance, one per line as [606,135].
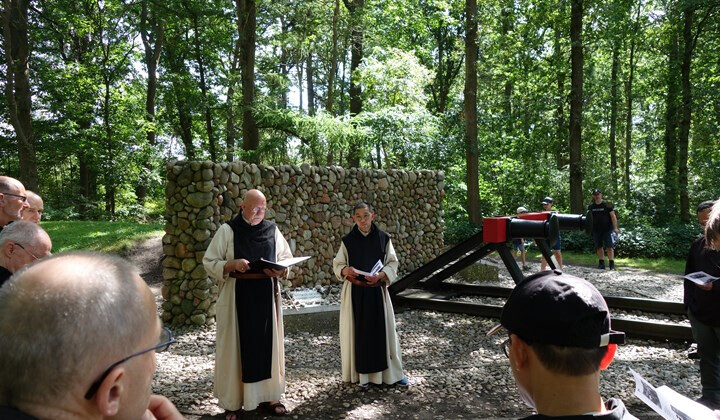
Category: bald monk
[13,200]
[250,356]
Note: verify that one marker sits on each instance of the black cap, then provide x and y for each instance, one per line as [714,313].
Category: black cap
[551,307]
[596,191]
[547,200]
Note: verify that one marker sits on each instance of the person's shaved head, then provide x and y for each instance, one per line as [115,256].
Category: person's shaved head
[253,206]
[12,200]
[64,320]
[36,207]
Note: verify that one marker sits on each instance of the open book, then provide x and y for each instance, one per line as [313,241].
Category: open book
[668,403]
[258,266]
[376,269]
[700,277]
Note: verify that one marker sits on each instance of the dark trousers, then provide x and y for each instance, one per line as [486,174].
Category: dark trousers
[708,343]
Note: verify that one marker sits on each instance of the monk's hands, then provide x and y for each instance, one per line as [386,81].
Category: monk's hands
[160,408]
[349,272]
[706,287]
[274,273]
[240,265]
[372,280]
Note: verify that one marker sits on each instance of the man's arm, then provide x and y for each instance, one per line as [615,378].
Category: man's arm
[613,219]
[160,408]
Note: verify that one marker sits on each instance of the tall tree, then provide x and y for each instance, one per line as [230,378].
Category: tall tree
[689,44]
[614,113]
[629,96]
[330,102]
[670,175]
[246,25]
[355,7]
[576,106]
[470,110]
[152,33]
[17,87]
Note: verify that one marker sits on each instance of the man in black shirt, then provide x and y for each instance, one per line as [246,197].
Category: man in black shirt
[559,341]
[604,223]
[702,303]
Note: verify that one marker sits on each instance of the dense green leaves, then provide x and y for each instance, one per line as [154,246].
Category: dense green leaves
[90,81]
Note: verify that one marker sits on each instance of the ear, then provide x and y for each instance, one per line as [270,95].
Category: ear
[7,249]
[609,356]
[520,352]
[110,392]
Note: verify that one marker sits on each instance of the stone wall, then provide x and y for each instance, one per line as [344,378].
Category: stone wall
[311,206]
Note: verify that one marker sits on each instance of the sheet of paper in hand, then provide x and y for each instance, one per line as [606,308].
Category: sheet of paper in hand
[376,269]
[700,277]
[668,403]
[261,264]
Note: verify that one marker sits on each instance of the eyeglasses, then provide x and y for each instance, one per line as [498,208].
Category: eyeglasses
[505,345]
[22,198]
[257,210]
[166,339]
[35,257]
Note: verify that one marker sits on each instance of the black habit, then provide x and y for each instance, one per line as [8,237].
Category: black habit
[254,299]
[367,302]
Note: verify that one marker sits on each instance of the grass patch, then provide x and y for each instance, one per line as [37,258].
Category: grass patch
[113,237]
[659,265]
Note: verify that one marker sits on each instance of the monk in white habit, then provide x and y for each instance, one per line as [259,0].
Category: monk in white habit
[249,353]
[369,347]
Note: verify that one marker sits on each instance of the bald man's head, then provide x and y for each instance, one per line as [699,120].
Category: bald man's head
[64,320]
[253,206]
[36,208]
[12,200]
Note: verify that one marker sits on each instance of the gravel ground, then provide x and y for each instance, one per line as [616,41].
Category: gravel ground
[455,371]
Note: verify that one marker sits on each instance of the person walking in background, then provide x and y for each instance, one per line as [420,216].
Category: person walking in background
[604,224]
[547,205]
[519,243]
[369,347]
[702,302]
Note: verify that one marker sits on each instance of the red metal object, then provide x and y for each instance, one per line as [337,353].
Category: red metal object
[495,229]
[534,216]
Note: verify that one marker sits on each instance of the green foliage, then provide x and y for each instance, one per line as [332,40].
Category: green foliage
[98,236]
[641,241]
[457,230]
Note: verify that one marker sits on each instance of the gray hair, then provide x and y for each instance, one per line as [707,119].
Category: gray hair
[57,326]
[23,233]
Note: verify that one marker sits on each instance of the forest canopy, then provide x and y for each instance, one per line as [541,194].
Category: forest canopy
[514,99]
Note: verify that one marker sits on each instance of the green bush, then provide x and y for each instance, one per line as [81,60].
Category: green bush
[641,241]
[457,231]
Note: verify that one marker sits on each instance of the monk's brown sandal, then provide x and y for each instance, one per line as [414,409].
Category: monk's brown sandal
[272,409]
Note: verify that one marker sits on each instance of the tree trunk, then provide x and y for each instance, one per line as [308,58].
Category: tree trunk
[671,128]
[629,94]
[246,22]
[561,134]
[17,87]
[310,85]
[576,105]
[230,123]
[203,90]
[470,110]
[614,114]
[355,7]
[299,68]
[686,114]
[330,104]
[152,58]
[507,26]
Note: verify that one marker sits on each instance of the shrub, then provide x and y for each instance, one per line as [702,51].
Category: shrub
[641,241]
